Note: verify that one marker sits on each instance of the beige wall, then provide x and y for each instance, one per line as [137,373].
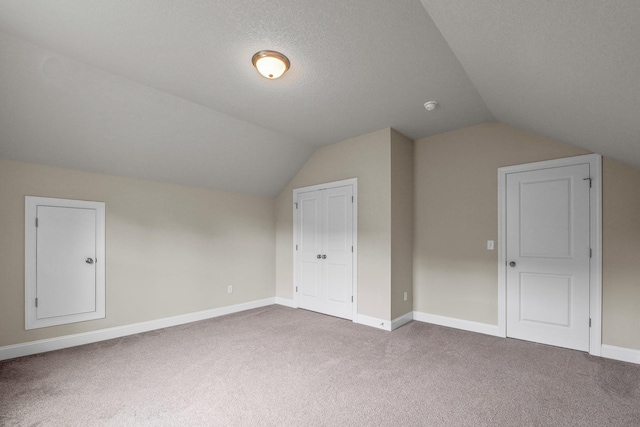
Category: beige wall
[173,250]
[368,158]
[456,212]
[621,255]
[401,224]
[170,249]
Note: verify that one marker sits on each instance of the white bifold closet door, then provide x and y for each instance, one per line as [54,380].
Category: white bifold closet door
[325,251]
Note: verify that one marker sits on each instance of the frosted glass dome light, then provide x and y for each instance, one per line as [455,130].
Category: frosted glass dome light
[270,64]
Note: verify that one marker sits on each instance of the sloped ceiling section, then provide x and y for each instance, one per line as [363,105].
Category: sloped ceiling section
[568,70]
[166,90]
[60,112]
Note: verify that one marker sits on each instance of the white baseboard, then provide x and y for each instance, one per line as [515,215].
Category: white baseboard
[401,320]
[41,346]
[621,353]
[374,322]
[451,322]
[33,347]
[286,302]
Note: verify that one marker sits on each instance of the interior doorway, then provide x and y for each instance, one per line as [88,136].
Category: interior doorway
[550,252]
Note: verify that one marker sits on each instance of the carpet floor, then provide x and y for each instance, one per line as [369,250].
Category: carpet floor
[277,366]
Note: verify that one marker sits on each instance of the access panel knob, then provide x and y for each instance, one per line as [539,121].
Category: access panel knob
[89,260]
[324,257]
[319,256]
[512,264]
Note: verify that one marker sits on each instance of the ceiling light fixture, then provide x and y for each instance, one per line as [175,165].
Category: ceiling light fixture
[431,105]
[270,64]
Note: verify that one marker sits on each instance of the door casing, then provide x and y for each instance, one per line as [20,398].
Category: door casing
[595,225]
[342,183]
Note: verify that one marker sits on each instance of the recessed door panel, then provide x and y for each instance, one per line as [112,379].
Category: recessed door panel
[545,298]
[310,276]
[309,226]
[337,222]
[545,218]
[338,283]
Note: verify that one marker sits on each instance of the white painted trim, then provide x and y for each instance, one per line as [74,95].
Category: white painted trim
[374,322]
[286,302]
[451,322]
[353,182]
[401,320]
[31,204]
[502,253]
[620,353]
[595,290]
[33,347]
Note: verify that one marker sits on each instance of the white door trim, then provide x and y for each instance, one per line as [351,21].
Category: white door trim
[30,264]
[343,183]
[595,224]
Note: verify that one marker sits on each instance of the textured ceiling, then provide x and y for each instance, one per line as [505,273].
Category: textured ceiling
[166,90]
[568,70]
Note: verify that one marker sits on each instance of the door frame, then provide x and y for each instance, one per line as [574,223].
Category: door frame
[30,264]
[353,182]
[595,224]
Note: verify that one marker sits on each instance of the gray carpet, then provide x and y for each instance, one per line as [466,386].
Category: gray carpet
[277,366]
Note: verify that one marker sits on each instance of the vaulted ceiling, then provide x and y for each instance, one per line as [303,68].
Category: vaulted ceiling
[166,90]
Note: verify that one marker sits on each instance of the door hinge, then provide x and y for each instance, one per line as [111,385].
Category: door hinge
[296,289]
[36,222]
[351,249]
[590,253]
[589,179]
[589,322]
[296,205]
[296,247]
[36,302]
[351,199]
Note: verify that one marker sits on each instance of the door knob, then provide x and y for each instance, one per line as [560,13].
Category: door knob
[319,256]
[324,257]
[89,260]
[512,264]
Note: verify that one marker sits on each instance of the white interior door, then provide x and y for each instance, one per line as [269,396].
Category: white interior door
[324,251]
[337,255]
[548,254]
[66,269]
[309,253]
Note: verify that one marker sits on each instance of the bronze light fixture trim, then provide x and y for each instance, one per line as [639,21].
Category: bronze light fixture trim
[270,64]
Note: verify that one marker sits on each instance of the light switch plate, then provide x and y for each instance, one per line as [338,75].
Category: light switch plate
[490,245]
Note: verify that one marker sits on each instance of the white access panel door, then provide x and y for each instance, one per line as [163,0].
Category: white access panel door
[66,268]
[64,261]
[324,257]
[548,254]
